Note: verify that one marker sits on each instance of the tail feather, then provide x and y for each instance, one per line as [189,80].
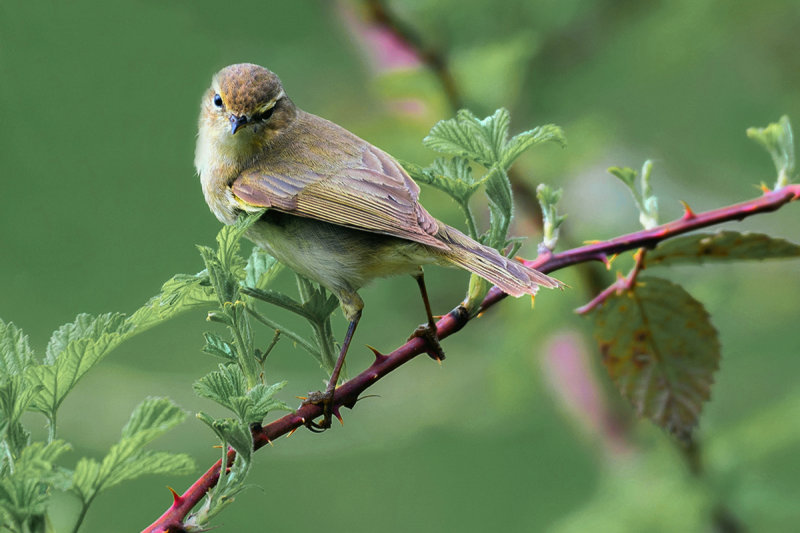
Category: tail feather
[512,277]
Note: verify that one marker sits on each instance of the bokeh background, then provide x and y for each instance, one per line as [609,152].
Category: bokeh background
[519,429]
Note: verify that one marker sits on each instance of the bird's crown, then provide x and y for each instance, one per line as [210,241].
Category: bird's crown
[245,87]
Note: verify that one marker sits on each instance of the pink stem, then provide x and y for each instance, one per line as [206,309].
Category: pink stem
[348,393]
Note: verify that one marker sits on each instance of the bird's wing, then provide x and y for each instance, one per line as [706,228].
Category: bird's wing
[360,187]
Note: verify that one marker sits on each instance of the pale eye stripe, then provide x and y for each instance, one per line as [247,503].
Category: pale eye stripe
[269,105]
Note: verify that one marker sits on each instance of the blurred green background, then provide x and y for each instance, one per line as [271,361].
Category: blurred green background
[518,430]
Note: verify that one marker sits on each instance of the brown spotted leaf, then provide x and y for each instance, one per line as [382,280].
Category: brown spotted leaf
[661,351]
[721,246]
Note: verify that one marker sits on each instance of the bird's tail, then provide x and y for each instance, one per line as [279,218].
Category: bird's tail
[512,277]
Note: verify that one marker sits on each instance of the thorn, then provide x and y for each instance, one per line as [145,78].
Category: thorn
[293,430]
[533,301]
[217,446]
[764,188]
[378,355]
[592,241]
[479,315]
[439,317]
[610,260]
[302,398]
[338,415]
[688,214]
[176,498]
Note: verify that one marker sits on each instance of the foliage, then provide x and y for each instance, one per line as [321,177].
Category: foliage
[468,140]
[657,341]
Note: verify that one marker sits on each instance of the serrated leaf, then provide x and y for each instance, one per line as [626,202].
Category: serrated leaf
[262,401]
[234,433]
[181,293]
[450,175]
[16,395]
[625,174]
[25,492]
[222,385]
[218,347]
[126,459]
[153,414]
[74,349]
[15,352]
[660,350]
[228,387]
[522,141]
[38,458]
[721,246]
[261,269]
[85,477]
[467,136]
[777,138]
[85,326]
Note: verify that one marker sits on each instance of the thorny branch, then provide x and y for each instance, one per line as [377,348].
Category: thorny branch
[347,394]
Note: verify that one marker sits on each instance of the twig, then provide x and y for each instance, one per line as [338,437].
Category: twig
[347,395]
[433,58]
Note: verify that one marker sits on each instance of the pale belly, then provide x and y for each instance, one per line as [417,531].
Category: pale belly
[340,258]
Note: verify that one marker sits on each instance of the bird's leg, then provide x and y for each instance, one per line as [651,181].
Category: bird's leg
[352,308]
[427,331]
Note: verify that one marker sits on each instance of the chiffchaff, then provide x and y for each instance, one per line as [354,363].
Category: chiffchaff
[340,211]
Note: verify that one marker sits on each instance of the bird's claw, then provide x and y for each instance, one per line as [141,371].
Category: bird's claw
[325,400]
[429,334]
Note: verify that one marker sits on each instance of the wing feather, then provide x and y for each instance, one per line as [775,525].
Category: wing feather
[341,179]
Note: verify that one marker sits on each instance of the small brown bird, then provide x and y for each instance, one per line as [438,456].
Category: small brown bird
[340,211]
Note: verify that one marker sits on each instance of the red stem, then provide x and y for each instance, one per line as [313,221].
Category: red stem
[347,394]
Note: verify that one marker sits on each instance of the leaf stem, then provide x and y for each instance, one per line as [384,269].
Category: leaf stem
[289,333]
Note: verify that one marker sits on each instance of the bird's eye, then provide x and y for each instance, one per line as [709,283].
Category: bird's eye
[217,100]
[265,115]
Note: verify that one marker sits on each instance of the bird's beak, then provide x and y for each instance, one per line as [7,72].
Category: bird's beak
[237,123]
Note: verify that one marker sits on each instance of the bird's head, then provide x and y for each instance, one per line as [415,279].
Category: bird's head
[245,106]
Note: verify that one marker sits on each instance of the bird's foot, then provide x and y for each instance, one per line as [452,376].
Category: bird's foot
[429,333]
[325,400]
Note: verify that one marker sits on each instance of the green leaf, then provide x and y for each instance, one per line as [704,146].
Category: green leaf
[126,459]
[777,138]
[228,387]
[721,246]
[261,269]
[626,175]
[231,432]
[548,201]
[236,435]
[73,350]
[85,326]
[218,347]
[181,293]
[645,200]
[522,141]
[221,385]
[25,492]
[16,395]
[156,415]
[261,401]
[15,353]
[467,136]
[38,458]
[661,351]
[486,141]
[451,175]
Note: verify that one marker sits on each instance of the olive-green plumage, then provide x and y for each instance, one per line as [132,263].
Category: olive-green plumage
[341,211]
